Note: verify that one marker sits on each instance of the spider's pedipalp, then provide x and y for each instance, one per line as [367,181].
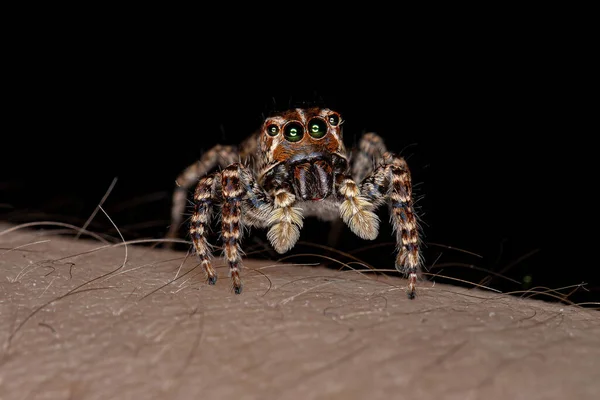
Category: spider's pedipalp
[356,211]
[285,221]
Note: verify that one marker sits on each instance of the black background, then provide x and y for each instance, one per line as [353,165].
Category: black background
[478,136]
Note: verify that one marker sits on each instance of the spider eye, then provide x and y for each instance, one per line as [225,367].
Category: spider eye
[293,132]
[317,128]
[334,120]
[272,130]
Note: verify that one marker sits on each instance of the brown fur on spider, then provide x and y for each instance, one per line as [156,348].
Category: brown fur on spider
[296,166]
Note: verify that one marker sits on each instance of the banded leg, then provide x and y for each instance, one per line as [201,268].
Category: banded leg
[217,156]
[205,195]
[231,222]
[238,192]
[370,148]
[391,182]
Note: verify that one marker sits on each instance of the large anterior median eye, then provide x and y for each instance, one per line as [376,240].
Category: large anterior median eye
[317,128]
[293,132]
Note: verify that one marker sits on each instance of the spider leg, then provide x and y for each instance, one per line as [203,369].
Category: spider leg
[391,182]
[205,195]
[218,155]
[244,202]
[370,148]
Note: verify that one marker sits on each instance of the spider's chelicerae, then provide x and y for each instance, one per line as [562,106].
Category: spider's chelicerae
[293,167]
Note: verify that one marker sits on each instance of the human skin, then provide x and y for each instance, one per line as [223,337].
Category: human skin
[81,319]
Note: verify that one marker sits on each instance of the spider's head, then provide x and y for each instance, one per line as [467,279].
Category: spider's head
[305,142]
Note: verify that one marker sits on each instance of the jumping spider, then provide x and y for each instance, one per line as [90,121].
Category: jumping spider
[296,166]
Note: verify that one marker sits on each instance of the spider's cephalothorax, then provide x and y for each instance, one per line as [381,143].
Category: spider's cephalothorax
[296,166]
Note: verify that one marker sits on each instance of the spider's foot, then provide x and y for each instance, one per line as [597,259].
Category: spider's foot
[237,289]
[411,289]
[211,274]
[237,281]
[412,283]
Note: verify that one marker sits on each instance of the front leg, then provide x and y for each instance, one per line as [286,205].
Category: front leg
[217,156]
[231,222]
[205,195]
[391,182]
[244,202]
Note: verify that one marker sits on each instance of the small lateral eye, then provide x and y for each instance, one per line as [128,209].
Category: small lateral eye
[334,119]
[293,132]
[317,128]
[272,130]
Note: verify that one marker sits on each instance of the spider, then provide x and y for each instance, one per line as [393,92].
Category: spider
[296,166]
